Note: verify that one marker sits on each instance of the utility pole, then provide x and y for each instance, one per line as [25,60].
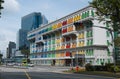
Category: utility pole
[71,60]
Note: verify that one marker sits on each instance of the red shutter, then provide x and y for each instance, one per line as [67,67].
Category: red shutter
[67,53]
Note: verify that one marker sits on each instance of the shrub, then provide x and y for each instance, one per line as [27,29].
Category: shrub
[111,68]
[99,68]
[117,69]
[89,67]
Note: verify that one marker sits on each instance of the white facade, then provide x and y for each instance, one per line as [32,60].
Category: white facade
[57,40]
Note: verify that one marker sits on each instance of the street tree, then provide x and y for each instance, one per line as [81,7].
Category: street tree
[1,7]
[109,11]
[26,52]
[1,55]
[117,42]
[108,8]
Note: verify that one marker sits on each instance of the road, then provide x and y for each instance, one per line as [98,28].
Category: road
[12,73]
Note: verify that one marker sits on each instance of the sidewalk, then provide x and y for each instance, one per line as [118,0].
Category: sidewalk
[98,73]
[63,67]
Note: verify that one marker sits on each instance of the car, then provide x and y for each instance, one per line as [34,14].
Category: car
[18,64]
[30,64]
[10,64]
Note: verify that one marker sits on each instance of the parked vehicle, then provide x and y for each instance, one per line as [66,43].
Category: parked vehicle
[30,64]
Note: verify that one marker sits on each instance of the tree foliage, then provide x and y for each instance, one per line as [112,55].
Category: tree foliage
[109,8]
[1,7]
[1,56]
[117,42]
[25,50]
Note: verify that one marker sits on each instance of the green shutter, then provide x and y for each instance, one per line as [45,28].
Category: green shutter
[91,33]
[108,52]
[87,35]
[97,61]
[86,52]
[115,34]
[87,42]
[92,13]
[108,60]
[91,52]
[107,25]
[108,43]
[100,61]
[83,15]
[107,33]
[87,13]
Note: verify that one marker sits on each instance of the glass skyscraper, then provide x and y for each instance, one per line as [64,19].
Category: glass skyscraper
[11,45]
[32,21]
[28,23]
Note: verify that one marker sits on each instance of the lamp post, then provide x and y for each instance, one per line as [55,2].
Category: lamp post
[71,60]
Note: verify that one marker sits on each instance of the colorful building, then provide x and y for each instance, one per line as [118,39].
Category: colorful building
[61,42]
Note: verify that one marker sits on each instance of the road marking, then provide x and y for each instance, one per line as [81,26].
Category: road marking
[28,76]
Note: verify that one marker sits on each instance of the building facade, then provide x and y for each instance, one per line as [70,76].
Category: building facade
[11,46]
[29,22]
[33,21]
[61,42]
[13,52]
[22,38]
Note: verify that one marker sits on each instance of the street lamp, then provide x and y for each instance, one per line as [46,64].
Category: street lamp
[71,60]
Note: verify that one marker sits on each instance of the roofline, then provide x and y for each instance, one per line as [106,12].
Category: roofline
[59,19]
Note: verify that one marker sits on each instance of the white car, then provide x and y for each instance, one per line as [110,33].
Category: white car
[10,64]
[30,64]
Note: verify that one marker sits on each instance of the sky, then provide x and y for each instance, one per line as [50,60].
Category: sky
[14,10]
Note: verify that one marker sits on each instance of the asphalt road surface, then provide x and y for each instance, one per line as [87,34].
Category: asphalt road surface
[12,73]
[47,75]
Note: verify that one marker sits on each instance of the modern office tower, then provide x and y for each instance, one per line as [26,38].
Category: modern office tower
[11,45]
[33,21]
[75,39]
[22,38]
[7,52]
[29,22]
[13,52]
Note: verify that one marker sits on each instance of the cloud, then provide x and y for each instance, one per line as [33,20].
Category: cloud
[2,37]
[11,6]
[6,36]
